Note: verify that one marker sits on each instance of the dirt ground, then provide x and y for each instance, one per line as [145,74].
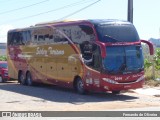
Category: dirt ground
[15,97]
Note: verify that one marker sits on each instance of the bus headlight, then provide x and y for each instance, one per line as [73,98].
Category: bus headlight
[109,81]
[140,78]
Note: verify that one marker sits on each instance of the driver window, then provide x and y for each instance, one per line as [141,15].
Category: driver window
[91,55]
[87,54]
[97,59]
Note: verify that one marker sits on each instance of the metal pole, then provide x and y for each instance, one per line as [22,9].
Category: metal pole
[130,11]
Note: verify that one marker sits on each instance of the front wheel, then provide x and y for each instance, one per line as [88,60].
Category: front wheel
[29,79]
[21,79]
[80,86]
[1,79]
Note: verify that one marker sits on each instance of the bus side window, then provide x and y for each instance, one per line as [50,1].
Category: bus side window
[51,37]
[16,38]
[91,55]
[81,33]
[59,38]
[28,39]
[10,38]
[51,40]
[40,38]
[25,37]
[86,29]
[35,37]
[97,59]
[46,37]
[87,53]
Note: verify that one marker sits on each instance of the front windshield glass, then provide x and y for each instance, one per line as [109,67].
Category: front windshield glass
[122,59]
[117,33]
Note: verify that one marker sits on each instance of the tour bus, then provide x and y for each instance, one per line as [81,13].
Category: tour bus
[97,55]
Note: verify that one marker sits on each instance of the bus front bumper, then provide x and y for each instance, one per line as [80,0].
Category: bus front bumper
[111,85]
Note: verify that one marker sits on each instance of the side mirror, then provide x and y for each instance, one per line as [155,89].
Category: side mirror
[151,49]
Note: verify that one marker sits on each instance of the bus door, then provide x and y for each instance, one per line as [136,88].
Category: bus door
[94,66]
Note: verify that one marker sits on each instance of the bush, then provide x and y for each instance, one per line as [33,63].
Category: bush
[157,59]
[3,58]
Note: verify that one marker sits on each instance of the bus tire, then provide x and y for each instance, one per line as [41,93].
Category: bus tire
[115,92]
[29,79]
[21,78]
[1,79]
[79,85]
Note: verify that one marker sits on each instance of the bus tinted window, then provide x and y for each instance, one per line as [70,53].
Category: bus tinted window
[9,38]
[14,38]
[49,36]
[117,33]
[41,38]
[18,38]
[78,33]
[26,37]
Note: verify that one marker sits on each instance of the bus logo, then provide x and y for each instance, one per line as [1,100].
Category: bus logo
[50,51]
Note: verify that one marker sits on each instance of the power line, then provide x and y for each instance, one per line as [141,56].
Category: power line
[67,6]
[24,7]
[79,10]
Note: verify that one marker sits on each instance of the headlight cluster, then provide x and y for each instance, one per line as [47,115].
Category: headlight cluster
[141,78]
[109,80]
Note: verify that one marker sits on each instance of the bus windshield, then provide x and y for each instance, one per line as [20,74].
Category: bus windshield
[117,33]
[123,59]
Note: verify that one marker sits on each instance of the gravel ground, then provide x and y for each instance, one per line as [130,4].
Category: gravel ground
[15,97]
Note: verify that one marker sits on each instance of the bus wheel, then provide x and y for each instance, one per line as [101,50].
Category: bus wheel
[21,79]
[1,79]
[29,79]
[80,86]
[115,92]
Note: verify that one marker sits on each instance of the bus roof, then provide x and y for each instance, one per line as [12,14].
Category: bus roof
[64,22]
[93,21]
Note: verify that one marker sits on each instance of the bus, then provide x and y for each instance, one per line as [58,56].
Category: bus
[97,55]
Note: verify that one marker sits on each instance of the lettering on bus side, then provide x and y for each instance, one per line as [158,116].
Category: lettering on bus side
[55,52]
[41,51]
[50,51]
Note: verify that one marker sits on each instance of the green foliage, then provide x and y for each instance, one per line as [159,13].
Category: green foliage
[157,59]
[3,58]
[147,63]
[152,68]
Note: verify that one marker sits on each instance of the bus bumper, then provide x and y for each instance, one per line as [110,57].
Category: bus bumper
[109,85]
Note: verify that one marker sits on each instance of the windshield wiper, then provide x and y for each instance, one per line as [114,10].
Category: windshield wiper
[122,67]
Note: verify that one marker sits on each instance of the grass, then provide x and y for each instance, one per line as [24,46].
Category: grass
[150,80]
[152,83]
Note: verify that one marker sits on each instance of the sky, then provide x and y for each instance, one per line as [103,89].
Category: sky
[25,13]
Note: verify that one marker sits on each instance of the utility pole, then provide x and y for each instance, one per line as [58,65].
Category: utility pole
[130,11]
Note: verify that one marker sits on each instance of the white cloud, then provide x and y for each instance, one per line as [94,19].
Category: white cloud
[3,32]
